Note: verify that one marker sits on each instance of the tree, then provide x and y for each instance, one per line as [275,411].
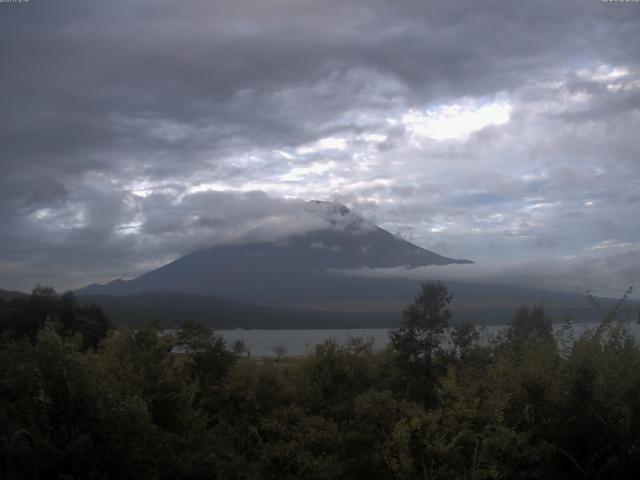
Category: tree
[208,358]
[529,324]
[239,347]
[418,338]
[280,351]
[193,336]
[423,324]
[463,337]
[24,317]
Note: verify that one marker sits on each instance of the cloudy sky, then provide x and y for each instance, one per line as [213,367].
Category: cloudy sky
[132,132]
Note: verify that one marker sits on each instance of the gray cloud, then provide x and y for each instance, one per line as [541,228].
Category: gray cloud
[608,270]
[138,131]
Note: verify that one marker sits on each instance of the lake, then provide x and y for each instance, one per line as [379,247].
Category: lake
[297,342]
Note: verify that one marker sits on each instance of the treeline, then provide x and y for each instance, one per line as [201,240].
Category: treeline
[79,400]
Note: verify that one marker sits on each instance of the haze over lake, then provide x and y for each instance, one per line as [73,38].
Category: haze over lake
[298,342]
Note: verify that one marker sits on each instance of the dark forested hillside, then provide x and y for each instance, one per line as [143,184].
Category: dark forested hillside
[170,309]
[7,295]
[479,304]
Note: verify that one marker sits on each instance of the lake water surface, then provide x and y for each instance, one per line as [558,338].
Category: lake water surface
[297,342]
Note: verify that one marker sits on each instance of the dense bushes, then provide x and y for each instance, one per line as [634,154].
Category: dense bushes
[140,404]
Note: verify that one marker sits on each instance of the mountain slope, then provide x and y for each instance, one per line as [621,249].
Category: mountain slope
[292,270]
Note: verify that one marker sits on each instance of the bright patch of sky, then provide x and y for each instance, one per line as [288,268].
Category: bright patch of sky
[456,121]
[329,143]
[298,173]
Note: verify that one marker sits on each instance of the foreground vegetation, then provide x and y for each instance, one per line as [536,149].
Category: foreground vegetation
[81,400]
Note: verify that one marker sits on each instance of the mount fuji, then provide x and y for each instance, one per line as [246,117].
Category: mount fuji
[299,268]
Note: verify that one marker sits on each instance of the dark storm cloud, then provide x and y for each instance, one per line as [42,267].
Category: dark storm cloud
[137,131]
[255,72]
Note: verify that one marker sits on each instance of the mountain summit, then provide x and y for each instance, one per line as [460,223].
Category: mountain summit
[291,270]
[338,216]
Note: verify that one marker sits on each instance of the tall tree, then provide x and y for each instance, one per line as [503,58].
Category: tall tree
[420,335]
